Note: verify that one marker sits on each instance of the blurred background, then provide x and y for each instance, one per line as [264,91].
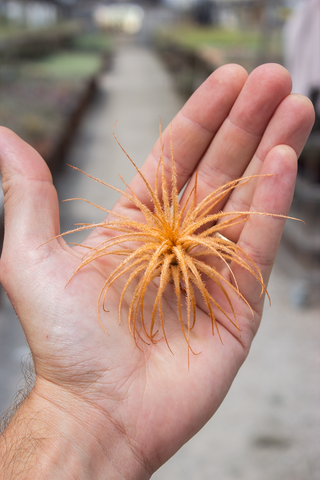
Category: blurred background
[68,70]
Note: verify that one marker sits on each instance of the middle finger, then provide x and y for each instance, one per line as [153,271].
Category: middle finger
[233,146]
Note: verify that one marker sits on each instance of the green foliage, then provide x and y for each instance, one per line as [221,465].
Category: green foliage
[14,32]
[193,37]
[39,97]
[26,42]
[66,65]
[93,42]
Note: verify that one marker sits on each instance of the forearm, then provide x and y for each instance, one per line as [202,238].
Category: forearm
[62,441]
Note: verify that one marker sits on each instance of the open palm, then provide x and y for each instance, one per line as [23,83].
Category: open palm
[232,126]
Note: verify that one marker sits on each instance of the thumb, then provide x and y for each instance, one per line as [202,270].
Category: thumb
[30,199]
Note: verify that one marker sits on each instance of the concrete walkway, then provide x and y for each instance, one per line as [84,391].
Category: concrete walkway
[268,427]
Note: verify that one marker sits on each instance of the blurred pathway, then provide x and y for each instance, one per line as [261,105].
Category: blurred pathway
[268,427]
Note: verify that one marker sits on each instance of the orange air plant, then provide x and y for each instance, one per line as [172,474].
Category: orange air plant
[173,243]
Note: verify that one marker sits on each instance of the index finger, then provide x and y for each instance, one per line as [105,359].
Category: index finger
[194,127]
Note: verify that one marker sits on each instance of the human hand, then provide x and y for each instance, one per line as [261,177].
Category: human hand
[143,405]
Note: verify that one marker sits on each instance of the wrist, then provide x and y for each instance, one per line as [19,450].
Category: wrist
[56,435]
